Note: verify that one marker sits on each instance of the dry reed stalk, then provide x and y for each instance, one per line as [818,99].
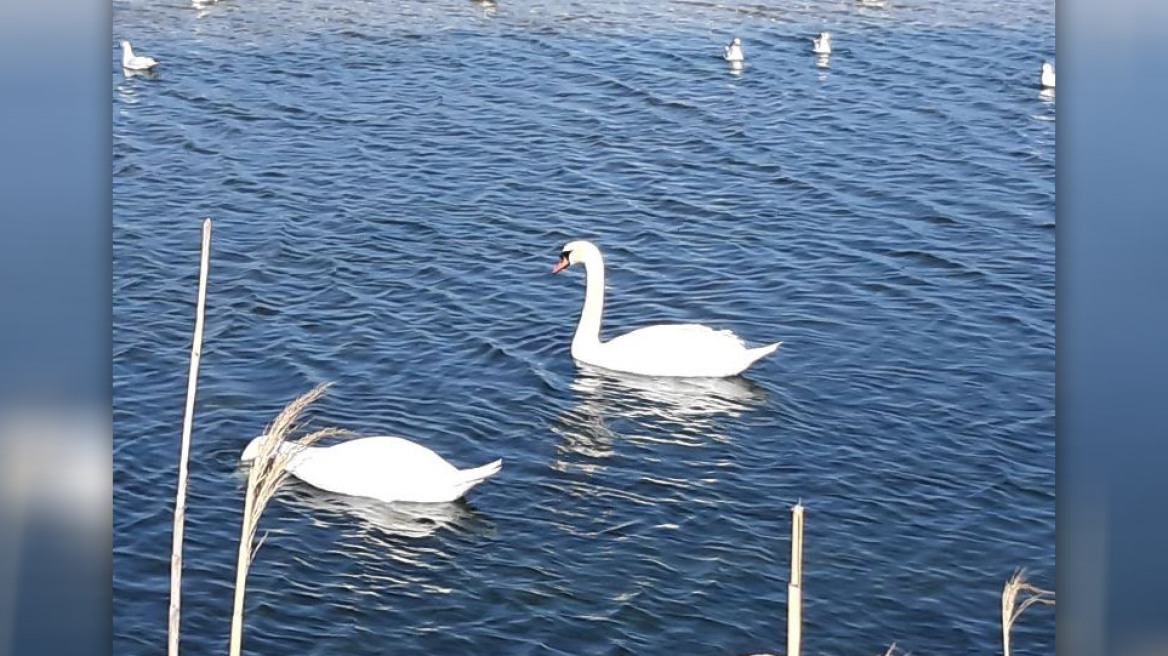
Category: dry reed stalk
[795,587]
[1014,587]
[180,501]
[268,470]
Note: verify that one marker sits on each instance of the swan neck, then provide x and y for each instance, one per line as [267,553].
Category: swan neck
[296,454]
[588,331]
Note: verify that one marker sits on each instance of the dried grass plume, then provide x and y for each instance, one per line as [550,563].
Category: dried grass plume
[1017,586]
[268,470]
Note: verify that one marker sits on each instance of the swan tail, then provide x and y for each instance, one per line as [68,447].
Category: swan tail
[761,352]
[472,477]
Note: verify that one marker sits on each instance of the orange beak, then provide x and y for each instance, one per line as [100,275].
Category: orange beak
[561,265]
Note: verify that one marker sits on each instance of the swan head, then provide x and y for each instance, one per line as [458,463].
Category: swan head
[825,36]
[576,252]
[1047,68]
[125,46]
[736,41]
[252,451]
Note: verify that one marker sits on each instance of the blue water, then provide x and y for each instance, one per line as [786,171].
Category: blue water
[390,184]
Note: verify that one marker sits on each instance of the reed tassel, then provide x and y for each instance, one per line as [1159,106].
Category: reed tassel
[1011,609]
[268,470]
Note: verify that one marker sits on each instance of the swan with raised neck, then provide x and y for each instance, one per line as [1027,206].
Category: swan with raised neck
[682,350]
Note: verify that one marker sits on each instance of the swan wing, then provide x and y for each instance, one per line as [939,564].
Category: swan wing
[679,336]
[674,350]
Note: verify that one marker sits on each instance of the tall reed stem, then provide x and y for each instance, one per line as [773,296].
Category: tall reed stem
[243,562]
[795,587]
[180,501]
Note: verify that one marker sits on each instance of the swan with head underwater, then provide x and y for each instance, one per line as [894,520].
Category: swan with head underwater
[675,350]
[389,469]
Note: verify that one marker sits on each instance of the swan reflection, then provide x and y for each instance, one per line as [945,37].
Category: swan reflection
[735,67]
[409,520]
[130,73]
[674,399]
[127,92]
[614,406]
[489,7]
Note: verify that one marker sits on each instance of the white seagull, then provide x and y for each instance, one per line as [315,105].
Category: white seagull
[821,45]
[732,52]
[1047,75]
[132,62]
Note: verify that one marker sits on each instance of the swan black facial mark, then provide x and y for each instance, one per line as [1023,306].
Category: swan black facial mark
[563,262]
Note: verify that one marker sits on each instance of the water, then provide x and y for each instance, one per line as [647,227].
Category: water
[391,183]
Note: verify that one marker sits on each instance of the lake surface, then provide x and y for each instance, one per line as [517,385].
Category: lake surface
[391,183]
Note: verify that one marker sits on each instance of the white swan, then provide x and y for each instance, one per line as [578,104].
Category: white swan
[690,350]
[821,45]
[732,52]
[132,62]
[1047,79]
[384,468]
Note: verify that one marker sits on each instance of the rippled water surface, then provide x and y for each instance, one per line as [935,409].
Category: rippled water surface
[391,183]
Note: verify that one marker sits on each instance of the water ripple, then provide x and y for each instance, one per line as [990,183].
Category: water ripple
[390,184]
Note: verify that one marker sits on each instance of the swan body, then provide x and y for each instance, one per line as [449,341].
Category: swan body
[1047,79]
[821,45]
[680,350]
[732,52]
[132,62]
[384,468]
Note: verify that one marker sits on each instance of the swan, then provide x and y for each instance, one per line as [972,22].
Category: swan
[384,468]
[732,52]
[1047,75]
[132,62]
[684,350]
[821,45]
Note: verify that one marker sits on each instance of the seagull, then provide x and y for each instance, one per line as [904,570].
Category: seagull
[132,62]
[1047,75]
[821,45]
[733,51]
